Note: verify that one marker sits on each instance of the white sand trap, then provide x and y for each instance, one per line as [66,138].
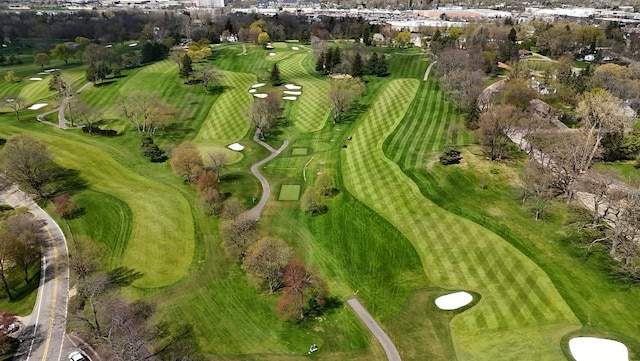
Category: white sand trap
[292,92]
[37,106]
[51,70]
[44,73]
[597,349]
[36,79]
[235,146]
[133,44]
[290,98]
[453,301]
[295,48]
[272,54]
[293,87]
[253,90]
[257,85]
[260,95]
[340,76]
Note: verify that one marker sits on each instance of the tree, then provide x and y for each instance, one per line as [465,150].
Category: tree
[263,38]
[264,112]
[303,291]
[186,161]
[146,111]
[187,69]
[85,260]
[208,75]
[275,75]
[63,52]
[11,77]
[324,183]
[518,93]
[86,114]
[237,235]
[601,113]
[64,207]
[342,94]
[403,38]
[15,103]
[311,202]
[6,247]
[27,241]
[27,162]
[357,66]
[493,126]
[41,59]
[7,320]
[58,85]
[266,261]
[538,189]
[176,55]
[218,162]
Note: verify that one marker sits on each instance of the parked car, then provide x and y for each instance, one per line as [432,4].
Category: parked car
[78,356]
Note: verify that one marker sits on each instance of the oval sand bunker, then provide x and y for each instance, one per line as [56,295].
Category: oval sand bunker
[596,349]
[453,301]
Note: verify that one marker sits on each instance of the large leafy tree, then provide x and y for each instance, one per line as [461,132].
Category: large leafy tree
[27,162]
[266,261]
[304,291]
[63,52]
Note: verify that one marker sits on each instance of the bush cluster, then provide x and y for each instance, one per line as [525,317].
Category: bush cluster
[152,151]
[97,130]
[450,156]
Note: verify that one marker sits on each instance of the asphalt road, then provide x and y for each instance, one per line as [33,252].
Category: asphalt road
[386,343]
[43,332]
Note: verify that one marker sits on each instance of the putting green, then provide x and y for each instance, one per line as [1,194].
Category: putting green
[299,151]
[289,192]
[521,313]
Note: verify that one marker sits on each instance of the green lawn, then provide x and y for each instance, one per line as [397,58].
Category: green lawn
[519,305]
[289,192]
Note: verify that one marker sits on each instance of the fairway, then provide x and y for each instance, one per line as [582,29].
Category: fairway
[289,192]
[521,313]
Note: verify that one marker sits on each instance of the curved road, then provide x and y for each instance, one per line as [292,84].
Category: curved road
[254,213]
[386,343]
[43,332]
[62,122]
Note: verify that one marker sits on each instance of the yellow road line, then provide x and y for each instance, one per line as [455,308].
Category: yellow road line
[55,295]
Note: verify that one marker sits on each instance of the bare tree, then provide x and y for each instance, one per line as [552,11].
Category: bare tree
[5,260]
[15,103]
[237,235]
[303,291]
[342,94]
[232,209]
[311,201]
[146,111]
[538,188]
[266,261]
[324,183]
[27,241]
[176,55]
[218,162]
[87,114]
[494,124]
[264,113]
[187,161]
[27,162]
[208,75]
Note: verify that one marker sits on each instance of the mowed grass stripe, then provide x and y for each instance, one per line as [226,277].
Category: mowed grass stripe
[310,111]
[443,238]
[227,119]
[162,238]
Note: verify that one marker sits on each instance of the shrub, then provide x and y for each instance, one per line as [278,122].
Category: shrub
[152,151]
[97,130]
[450,156]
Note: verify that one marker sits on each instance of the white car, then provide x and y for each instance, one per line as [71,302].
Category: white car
[78,356]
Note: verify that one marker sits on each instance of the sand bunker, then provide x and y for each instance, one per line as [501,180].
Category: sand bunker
[36,79]
[295,48]
[340,76]
[292,92]
[260,95]
[257,85]
[133,44]
[453,301]
[235,146]
[37,106]
[43,73]
[290,98]
[51,70]
[272,54]
[597,349]
[252,90]
[293,87]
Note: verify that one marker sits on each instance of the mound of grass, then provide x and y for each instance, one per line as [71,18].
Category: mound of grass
[519,303]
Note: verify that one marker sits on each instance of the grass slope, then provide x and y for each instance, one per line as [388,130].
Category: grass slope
[521,313]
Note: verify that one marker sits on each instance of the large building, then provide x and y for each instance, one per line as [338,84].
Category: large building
[210,3]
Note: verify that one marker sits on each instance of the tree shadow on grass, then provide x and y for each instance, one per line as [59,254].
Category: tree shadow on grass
[68,180]
[176,132]
[330,305]
[105,83]
[124,276]
[354,113]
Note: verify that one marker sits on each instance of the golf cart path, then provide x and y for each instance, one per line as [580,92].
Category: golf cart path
[428,71]
[254,213]
[388,346]
[62,122]
[42,334]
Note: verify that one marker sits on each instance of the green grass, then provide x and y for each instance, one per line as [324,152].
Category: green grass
[299,151]
[625,171]
[289,192]
[519,306]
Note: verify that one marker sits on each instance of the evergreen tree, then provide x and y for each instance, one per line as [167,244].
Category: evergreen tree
[187,69]
[320,62]
[328,60]
[357,66]
[275,75]
[337,59]
[381,68]
[372,64]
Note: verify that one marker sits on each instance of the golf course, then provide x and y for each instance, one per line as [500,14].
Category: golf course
[400,229]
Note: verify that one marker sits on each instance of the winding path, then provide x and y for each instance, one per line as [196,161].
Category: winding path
[254,213]
[62,122]
[386,343]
